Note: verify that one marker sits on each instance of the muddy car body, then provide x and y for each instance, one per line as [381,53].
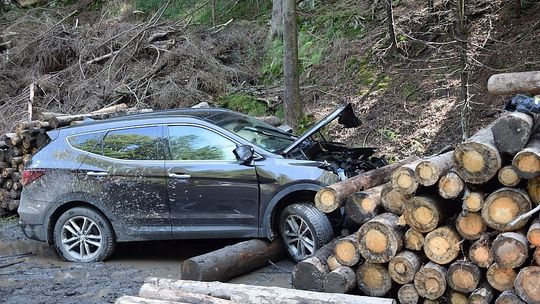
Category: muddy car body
[181,174]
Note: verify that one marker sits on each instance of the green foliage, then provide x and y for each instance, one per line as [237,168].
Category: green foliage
[306,121]
[367,73]
[243,103]
[410,92]
[341,23]
[390,134]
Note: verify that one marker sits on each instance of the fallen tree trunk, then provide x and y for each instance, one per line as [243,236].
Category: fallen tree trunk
[332,197]
[380,239]
[232,261]
[309,274]
[514,83]
[392,200]
[429,171]
[341,280]
[346,251]
[503,206]
[512,131]
[150,291]
[240,293]
[527,161]
[362,206]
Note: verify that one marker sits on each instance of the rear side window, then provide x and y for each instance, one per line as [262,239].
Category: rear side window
[133,144]
[87,142]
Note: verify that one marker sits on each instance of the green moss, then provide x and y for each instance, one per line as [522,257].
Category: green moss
[244,103]
[390,134]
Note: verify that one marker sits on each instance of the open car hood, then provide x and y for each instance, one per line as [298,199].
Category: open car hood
[346,116]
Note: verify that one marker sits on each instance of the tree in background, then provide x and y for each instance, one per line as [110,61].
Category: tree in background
[391,28]
[461,36]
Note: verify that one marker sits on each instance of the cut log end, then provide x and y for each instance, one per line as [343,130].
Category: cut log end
[423,213]
[442,245]
[373,279]
[527,286]
[346,251]
[501,278]
[463,276]
[510,249]
[380,239]
[340,280]
[473,201]
[392,200]
[327,200]
[404,266]
[407,294]
[470,225]
[451,185]
[480,252]
[430,281]
[508,176]
[503,206]
[414,240]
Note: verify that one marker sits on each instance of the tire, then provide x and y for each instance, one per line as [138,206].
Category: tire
[313,225]
[97,230]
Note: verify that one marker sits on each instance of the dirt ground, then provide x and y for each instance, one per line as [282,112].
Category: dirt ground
[41,277]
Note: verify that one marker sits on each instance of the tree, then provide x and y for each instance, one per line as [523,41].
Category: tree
[276,24]
[461,35]
[391,29]
[293,107]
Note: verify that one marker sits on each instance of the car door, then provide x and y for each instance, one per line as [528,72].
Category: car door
[130,176]
[211,193]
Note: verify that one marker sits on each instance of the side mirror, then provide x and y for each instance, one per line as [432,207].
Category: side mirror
[244,153]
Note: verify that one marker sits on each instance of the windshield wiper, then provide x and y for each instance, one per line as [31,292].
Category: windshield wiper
[259,131]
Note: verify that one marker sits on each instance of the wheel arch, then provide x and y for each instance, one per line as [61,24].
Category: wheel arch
[304,192]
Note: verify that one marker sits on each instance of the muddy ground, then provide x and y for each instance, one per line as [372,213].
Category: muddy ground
[39,276]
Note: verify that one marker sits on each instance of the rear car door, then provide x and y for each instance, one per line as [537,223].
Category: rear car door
[211,193]
[130,178]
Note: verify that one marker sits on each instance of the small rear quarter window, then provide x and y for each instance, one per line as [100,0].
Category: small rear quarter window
[90,142]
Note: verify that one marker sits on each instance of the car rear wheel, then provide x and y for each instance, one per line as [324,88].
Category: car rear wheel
[83,235]
[304,229]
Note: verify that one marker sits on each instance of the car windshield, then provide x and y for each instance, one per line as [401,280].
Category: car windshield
[255,131]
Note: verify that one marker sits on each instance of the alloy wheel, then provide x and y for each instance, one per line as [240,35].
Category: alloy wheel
[81,238]
[298,236]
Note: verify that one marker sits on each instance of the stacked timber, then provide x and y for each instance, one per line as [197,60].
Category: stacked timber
[18,147]
[458,227]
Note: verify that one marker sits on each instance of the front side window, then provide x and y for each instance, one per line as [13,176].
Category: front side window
[194,143]
[132,144]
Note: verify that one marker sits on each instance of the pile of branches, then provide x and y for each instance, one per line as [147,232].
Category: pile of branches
[78,68]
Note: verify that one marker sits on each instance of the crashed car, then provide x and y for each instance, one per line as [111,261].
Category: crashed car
[184,174]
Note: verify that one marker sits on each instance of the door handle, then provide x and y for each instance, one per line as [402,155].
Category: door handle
[182,176]
[92,173]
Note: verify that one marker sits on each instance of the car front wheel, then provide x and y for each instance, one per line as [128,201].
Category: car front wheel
[83,235]
[304,229]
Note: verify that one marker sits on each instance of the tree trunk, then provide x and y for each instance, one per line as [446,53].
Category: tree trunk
[510,249]
[424,213]
[309,274]
[503,206]
[473,201]
[515,83]
[527,161]
[429,171]
[291,96]
[150,291]
[414,240]
[477,160]
[341,280]
[461,34]
[463,276]
[501,278]
[240,293]
[430,281]
[276,24]
[451,186]
[404,266]
[391,26]
[380,239]
[533,234]
[392,200]
[480,251]
[407,294]
[470,225]
[442,245]
[363,206]
[332,197]
[509,297]
[482,295]
[346,251]
[332,263]
[373,279]
[232,261]
[508,176]
[512,131]
[527,286]
[138,300]
[403,179]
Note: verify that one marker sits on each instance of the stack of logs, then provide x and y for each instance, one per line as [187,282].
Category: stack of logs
[458,227]
[17,147]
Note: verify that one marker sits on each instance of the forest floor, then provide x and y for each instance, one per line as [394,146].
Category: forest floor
[42,277]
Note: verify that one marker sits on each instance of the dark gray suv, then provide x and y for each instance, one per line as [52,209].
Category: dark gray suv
[183,174]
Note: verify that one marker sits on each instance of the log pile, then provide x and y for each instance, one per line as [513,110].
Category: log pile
[18,146]
[459,227]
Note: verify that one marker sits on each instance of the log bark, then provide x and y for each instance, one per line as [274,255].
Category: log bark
[138,300]
[424,213]
[341,280]
[232,261]
[309,274]
[240,293]
[413,240]
[533,189]
[404,266]
[428,171]
[477,160]
[363,206]
[373,279]
[533,234]
[503,206]
[512,131]
[346,251]
[482,295]
[470,225]
[407,294]
[380,239]
[451,186]
[501,278]
[527,161]
[392,200]
[510,249]
[508,176]
[514,83]
[403,179]
[463,276]
[480,251]
[473,200]
[332,263]
[168,294]
[527,284]
[442,245]
[536,256]
[509,297]
[332,197]
[430,281]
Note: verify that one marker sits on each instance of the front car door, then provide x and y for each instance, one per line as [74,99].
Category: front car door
[211,193]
